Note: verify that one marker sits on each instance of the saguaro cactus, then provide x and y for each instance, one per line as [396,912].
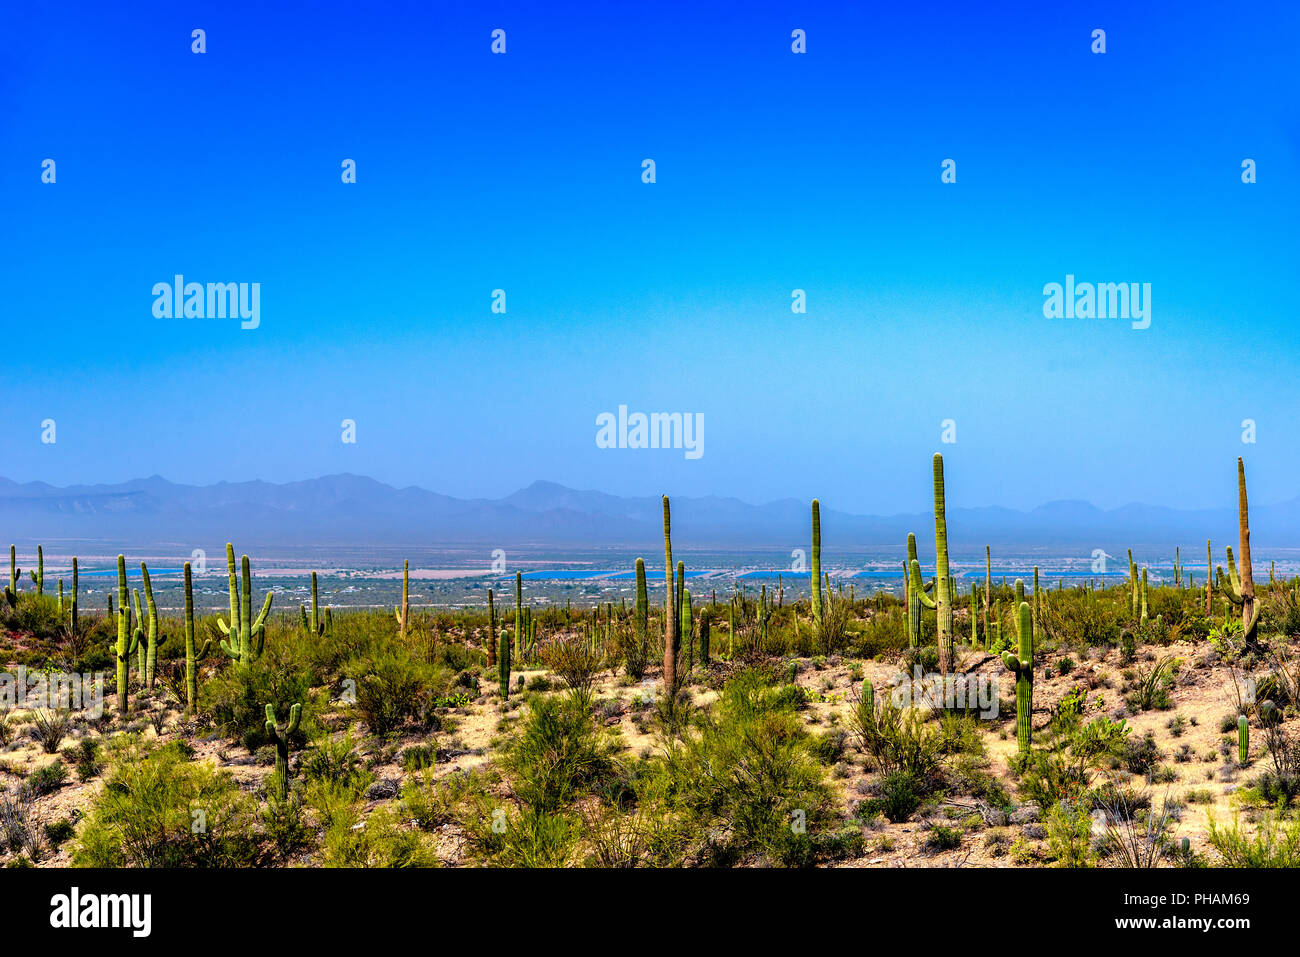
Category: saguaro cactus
[315,625]
[913,594]
[1143,603]
[670,617]
[942,580]
[1022,666]
[1243,739]
[503,663]
[1240,588]
[403,611]
[11,590]
[641,614]
[127,641]
[38,576]
[247,634]
[521,632]
[280,735]
[73,624]
[192,658]
[151,647]
[816,572]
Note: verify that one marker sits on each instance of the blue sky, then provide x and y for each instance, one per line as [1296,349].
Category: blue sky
[775,171]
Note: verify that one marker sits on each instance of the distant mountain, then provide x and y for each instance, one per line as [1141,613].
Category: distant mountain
[355,510]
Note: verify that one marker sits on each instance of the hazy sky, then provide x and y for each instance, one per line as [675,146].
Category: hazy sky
[775,171]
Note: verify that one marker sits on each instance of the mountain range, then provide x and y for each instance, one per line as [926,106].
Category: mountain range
[354,510]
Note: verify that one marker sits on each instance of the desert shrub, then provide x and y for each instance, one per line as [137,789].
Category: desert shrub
[898,739]
[1151,686]
[1276,843]
[900,794]
[575,661]
[382,842]
[743,784]
[394,689]
[1137,834]
[50,726]
[59,832]
[22,823]
[157,809]
[1062,769]
[86,759]
[1139,757]
[559,755]
[942,838]
[48,778]
[237,698]
[337,761]
[1069,836]
[35,614]
[418,757]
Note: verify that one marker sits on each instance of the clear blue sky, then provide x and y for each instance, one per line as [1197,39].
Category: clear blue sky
[775,171]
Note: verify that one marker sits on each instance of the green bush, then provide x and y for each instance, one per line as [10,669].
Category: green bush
[158,809]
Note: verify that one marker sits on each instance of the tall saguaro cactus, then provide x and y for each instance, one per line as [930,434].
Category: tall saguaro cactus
[127,641]
[503,664]
[153,640]
[403,611]
[641,614]
[244,629]
[1022,666]
[670,616]
[942,581]
[280,735]
[11,590]
[521,632]
[816,571]
[38,576]
[1240,588]
[314,626]
[71,606]
[192,658]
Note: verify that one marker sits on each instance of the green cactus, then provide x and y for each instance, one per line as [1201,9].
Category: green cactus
[11,590]
[403,611]
[73,624]
[519,613]
[816,573]
[641,614]
[127,641]
[1178,568]
[1240,588]
[706,619]
[671,639]
[914,595]
[60,599]
[314,626]
[869,697]
[1243,740]
[1038,606]
[38,576]
[1143,604]
[192,658]
[329,622]
[1022,666]
[503,663]
[942,579]
[492,630]
[247,634]
[280,736]
[688,628]
[154,640]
